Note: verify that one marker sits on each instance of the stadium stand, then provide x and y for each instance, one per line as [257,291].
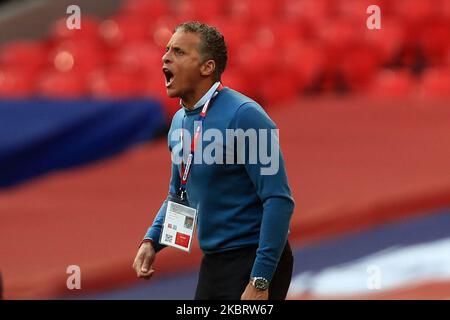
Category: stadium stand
[364,126]
[323,44]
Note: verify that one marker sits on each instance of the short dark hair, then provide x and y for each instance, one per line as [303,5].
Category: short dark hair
[212,47]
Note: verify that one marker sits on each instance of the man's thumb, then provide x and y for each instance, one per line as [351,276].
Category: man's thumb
[145,264]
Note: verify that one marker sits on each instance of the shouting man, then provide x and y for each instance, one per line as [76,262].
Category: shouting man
[240,208]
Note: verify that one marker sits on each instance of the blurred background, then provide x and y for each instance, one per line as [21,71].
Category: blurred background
[364,118]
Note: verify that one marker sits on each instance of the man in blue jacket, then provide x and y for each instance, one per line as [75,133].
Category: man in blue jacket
[234,189]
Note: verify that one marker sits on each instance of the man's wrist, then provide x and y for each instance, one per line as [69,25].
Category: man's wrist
[260,283]
[150,241]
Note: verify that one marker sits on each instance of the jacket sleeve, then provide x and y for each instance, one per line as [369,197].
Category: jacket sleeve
[154,232]
[269,177]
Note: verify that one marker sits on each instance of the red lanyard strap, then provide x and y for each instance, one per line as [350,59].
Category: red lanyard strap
[186,168]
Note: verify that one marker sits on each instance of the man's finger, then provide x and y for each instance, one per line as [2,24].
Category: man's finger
[145,267]
[137,267]
[149,274]
[137,261]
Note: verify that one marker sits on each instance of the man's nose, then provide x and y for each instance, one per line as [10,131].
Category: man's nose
[166,57]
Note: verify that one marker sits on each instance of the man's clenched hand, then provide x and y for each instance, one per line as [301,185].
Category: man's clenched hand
[144,261]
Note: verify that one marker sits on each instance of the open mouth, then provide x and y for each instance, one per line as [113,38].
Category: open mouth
[169,77]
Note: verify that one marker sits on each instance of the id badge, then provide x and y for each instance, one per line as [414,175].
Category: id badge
[178,227]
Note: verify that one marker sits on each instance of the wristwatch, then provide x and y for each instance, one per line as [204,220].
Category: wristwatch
[261,284]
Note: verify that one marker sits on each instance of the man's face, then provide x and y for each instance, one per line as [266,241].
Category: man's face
[181,64]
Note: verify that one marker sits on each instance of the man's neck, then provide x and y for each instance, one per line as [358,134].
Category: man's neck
[190,100]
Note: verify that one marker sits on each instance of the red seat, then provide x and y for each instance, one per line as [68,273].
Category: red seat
[390,83]
[139,56]
[262,12]
[341,33]
[415,11]
[313,13]
[337,37]
[61,85]
[26,55]
[435,41]
[305,61]
[255,62]
[16,83]
[389,40]
[236,34]
[89,29]
[80,56]
[145,9]
[234,79]
[162,29]
[239,10]
[436,83]
[278,88]
[122,29]
[358,67]
[200,10]
[286,32]
[255,12]
[444,9]
[357,9]
[115,83]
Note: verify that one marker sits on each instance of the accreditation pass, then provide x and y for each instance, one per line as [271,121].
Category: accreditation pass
[178,227]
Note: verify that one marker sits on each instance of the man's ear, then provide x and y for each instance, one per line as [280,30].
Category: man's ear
[207,68]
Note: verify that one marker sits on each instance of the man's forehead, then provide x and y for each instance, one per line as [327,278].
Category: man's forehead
[184,39]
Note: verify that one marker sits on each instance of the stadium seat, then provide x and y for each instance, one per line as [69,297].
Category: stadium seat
[358,67]
[415,11]
[121,29]
[304,61]
[444,9]
[236,34]
[388,41]
[388,83]
[341,33]
[285,33]
[435,41]
[61,85]
[436,83]
[278,88]
[88,30]
[144,9]
[114,83]
[313,11]
[356,10]
[80,56]
[16,83]
[161,30]
[25,55]
[233,78]
[139,56]
[320,43]
[263,11]
[206,11]
[256,62]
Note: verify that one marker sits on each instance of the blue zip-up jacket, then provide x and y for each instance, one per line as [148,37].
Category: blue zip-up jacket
[237,205]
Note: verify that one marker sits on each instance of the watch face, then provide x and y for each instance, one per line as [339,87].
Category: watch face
[261,284]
